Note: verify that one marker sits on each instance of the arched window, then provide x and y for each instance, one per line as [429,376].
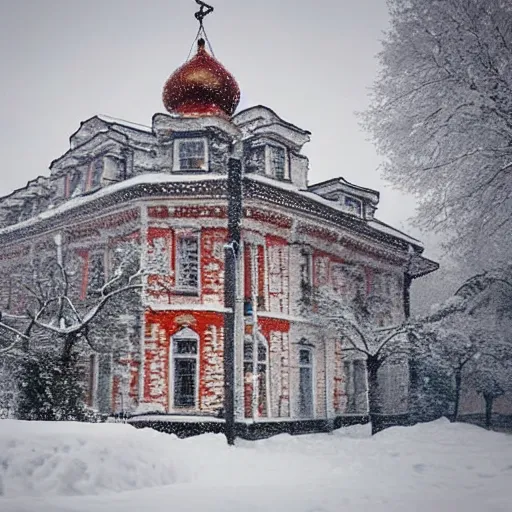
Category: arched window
[184,368]
[255,377]
[306,382]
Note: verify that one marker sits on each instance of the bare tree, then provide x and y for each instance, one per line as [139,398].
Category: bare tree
[58,316]
[53,310]
[441,114]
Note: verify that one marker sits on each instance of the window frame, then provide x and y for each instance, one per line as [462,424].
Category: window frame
[269,170]
[91,173]
[185,333]
[251,361]
[306,275]
[312,367]
[176,164]
[99,254]
[80,185]
[178,236]
[348,198]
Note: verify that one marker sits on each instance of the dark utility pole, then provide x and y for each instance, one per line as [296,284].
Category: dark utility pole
[231,251]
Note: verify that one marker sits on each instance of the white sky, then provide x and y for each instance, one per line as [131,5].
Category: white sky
[64,61]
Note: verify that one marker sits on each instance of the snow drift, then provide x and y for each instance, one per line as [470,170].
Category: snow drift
[67,458]
[437,466]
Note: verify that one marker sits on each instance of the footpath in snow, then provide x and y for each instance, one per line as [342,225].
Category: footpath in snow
[436,466]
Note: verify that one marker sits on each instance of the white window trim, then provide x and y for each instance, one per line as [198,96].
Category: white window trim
[268,167]
[176,154]
[312,365]
[256,339]
[185,333]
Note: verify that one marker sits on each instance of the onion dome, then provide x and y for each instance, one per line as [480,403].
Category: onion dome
[201,87]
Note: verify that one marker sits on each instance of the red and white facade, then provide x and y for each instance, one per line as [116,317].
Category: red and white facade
[163,188]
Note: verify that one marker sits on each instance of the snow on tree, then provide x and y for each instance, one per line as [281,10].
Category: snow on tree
[58,318]
[356,322]
[491,378]
[468,336]
[441,114]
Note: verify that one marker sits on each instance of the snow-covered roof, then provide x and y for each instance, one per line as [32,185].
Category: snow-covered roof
[325,188]
[144,179]
[260,111]
[127,124]
[160,178]
[388,230]
[376,224]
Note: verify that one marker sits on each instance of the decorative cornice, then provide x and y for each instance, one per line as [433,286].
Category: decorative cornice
[214,186]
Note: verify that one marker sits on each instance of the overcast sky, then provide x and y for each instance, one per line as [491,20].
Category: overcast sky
[63,61]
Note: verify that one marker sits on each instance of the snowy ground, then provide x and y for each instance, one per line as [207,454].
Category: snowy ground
[108,467]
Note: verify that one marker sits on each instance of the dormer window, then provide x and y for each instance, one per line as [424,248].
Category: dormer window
[74,183]
[353,205]
[190,155]
[277,167]
[95,174]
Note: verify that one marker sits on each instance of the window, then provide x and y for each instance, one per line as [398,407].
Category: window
[353,205]
[95,274]
[306,401]
[158,259]
[95,173]
[190,155]
[254,278]
[184,368]
[187,262]
[277,161]
[306,277]
[74,183]
[255,377]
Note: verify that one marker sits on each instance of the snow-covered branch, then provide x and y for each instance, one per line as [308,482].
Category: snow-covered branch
[441,114]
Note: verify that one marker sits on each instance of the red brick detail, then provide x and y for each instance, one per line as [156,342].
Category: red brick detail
[269,325]
[133,236]
[261,272]
[157,349]
[276,219]
[247,272]
[158,212]
[196,212]
[318,232]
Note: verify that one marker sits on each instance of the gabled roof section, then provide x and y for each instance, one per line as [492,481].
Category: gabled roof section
[101,128]
[29,190]
[101,123]
[125,124]
[164,125]
[85,150]
[260,120]
[328,189]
